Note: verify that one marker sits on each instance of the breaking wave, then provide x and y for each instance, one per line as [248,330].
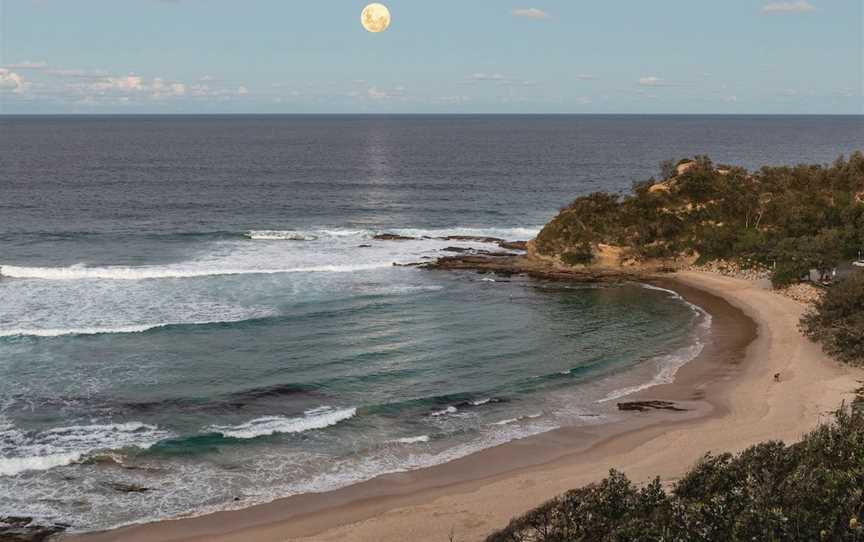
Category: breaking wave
[318,418]
[412,440]
[67,445]
[79,272]
[140,328]
[510,234]
[280,235]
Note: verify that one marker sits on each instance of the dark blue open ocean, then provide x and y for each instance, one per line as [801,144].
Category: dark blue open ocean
[196,305]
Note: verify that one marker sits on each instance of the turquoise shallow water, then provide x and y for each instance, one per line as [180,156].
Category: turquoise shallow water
[197,306]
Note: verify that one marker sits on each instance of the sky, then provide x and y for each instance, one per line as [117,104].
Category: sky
[443,56]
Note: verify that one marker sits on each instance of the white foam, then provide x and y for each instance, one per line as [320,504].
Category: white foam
[706,320]
[346,233]
[334,251]
[79,272]
[448,410]
[61,332]
[668,365]
[479,402]
[280,235]
[16,465]
[509,234]
[508,421]
[270,425]
[66,445]
[412,440]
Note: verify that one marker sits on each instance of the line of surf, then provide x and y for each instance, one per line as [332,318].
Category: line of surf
[78,272]
[318,418]
[517,233]
[669,364]
[63,446]
[140,328]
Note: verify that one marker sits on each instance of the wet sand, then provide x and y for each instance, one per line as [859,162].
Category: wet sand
[729,391]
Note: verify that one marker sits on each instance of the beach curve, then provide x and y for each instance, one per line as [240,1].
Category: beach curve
[746,406]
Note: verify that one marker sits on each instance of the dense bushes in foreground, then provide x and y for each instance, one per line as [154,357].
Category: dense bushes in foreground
[810,491]
[837,320]
[799,218]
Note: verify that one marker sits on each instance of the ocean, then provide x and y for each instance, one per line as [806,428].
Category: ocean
[195,314]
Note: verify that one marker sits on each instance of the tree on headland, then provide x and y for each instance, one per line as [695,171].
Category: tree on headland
[797,218]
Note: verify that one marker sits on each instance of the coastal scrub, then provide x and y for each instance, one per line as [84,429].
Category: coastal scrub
[837,320]
[788,219]
[809,491]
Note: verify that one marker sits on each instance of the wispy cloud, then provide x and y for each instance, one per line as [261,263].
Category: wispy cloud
[498,78]
[451,100]
[75,73]
[26,65]
[365,91]
[375,93]
[11,81]
[654,81]
[487,77]
[33,81]
[801,6]
[530,13]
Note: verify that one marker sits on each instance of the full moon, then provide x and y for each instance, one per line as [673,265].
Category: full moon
[375,17]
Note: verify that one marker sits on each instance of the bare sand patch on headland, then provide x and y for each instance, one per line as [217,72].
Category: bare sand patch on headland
[730,391]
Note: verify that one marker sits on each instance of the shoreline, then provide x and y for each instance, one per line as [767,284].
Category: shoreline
[479,493]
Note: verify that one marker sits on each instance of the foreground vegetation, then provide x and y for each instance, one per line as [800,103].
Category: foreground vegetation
[799,218]
[809,491]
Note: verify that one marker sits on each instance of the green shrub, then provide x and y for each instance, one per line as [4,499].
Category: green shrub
[810,491]
[837,320]
[580,255]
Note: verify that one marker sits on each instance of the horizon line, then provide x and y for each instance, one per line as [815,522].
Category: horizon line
[419,114]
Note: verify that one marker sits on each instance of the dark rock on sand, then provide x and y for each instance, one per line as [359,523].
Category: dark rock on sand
[128,488]
[474,238]
[643,406]
[392,237]
[22,529]
[16,521]
[514,245]
[496,254]
[364,246]
[505,264]
[481,402]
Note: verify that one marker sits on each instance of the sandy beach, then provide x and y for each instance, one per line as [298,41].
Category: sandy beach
[732,401]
